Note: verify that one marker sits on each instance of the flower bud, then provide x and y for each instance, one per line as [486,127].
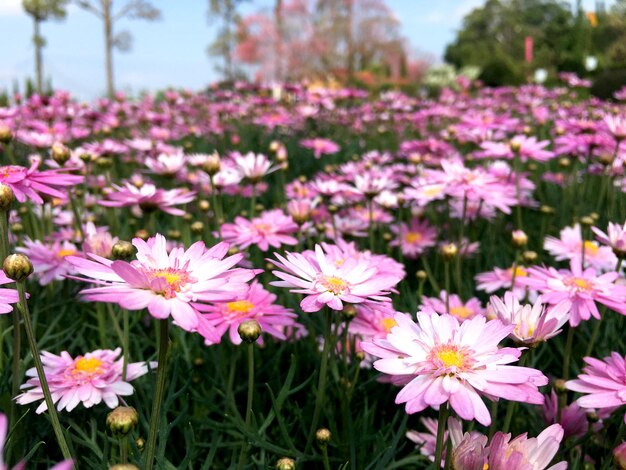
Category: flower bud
[348,312]
[6,197]
[421,275]
[122,420]
[140,442]
[197,227]
[17,267]
[559,386]
[204,205]
[519,238]
[60,153]
[323,436]
[529,256]
[174,234]
[249,331]
[104,162]
[286,464]
[587,221]
[619,456]
[17,228]
[515,146]
[143,234]
[449,251]
[122,250]
[212,164]
[6,135]
[124,466]
[546,210]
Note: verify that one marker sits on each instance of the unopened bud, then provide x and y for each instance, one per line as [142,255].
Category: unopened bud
[122,250]
[17,267]
[204,205]
[587,221]
[449,251]
[124,466]
[104,162]
[286,464]
[249,331]
[546,210]
[348,312]
[559,386]
[174,234]
[421,275]
[519,238]
[6,197]
[529,256]
[143,234]
[564,162]
[212,164]
[197,227]
[60,153]
[6,135]
[17,228]
[122,420]
[515,146]
[323,436]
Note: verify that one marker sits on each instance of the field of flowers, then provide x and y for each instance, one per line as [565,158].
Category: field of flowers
[308,278]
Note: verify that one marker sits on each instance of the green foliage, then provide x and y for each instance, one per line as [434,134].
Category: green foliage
[501,71]
[608,82]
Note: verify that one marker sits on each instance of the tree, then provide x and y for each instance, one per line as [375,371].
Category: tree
[225,11]
[103,9]
[40,11]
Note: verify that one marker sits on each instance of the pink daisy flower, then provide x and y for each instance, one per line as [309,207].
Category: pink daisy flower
[603,382]
[523,452]
[459,309]
[4,428]
[415,238]
[444,361]
[253,166]
[271,228]
[148,198]
[50,260]
[7,296]
[320,146]
[327,282]
[256,304]
[88,379]
[491,281]
[30,184]
[165,282]
[579,288]
[573,418]
[570,245]
[533,323]
[615,237]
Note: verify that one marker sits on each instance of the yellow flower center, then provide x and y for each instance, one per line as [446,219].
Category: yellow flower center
[64,253]
[89,365]
[580,283]
[334,284]
[240,306]
[590,248]
[432,191]
[451,357]
[461,311]
[519,272]
[263,228]
[172,278]
[413,237]
[388,324]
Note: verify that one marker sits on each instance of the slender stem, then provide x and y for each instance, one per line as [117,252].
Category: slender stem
[441,428]
[77,221]
[125,342]
[568,352]
[123,449]
[159,392]
[253,201]
[325,456]
[30,334]
[446,278]
[321,384]
[244,446]
[494,419]
[370,228]
[594,334]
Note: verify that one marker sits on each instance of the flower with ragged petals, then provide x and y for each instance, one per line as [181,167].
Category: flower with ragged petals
[50,259]
[603,382]
[320,146]
[253,166]
[572,417]
[148,198]
[458,308]
[615,237]
[415,238]
[89,379]
[326,280]
[533,323]
[254,304]
[443,361]
[7,296]
[165,282]
[272,228]
[581,289]
[4,428]
[534,453]
[498,278]
[570,245]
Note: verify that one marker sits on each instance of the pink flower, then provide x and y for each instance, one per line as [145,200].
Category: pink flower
[148,198]
[533,453]
[603,382]
[271,228]
[580,289]
[444,361]
[497,279]
[28,183]
[570,245]
[427,441]
[7,297]
[88,379]
[320,146]
[50,260]
[573,417]
[167,283]
[415,238]
[257,304]
[459,309]
[327,282]
[253,166]
[533,323]
[615,237]
[4,428]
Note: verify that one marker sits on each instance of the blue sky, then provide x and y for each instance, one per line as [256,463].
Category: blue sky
[171,52]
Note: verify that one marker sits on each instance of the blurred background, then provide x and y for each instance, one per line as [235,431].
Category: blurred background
[97,47]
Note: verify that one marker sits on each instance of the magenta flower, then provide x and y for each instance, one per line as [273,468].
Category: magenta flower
[88,379]
[459,309]
[580,289]
[320,146]
[148,198]
[271,228]
[7,296]
[50,260]
[4,428]
[166,283]
[444,361]
[573,417]
[30,184]
[491,281]
[327,282]
[615,237]
[415,238]
[570,246]
[603,382]
[256,304]
[523,452]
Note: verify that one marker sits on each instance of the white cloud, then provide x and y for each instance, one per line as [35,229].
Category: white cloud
[10,7]
[465,7]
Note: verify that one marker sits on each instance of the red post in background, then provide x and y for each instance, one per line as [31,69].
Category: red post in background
[528,49]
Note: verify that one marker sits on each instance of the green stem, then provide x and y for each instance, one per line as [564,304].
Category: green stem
[325,456]
[370,228]
[125,342]
[321,384]
[244,446]
[253,201]
[30,334]
[441,428]
[159,392]
[123,449]
[568,352]
[446,278]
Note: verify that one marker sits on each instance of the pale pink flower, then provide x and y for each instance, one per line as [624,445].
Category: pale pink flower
[415,238]
[98,240]
[254,304]
[491,281]
[167,164]
[88,379]
[615,237]
[165,282]
[570,245]
[603,382]
[272,228]
[444,361]
[579,288]
[459,309]
[573,417]
[253,166]
[148,198]
[533,323]
[50,260]
[328,282]
[7,297]
[427,441]
[320,146]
